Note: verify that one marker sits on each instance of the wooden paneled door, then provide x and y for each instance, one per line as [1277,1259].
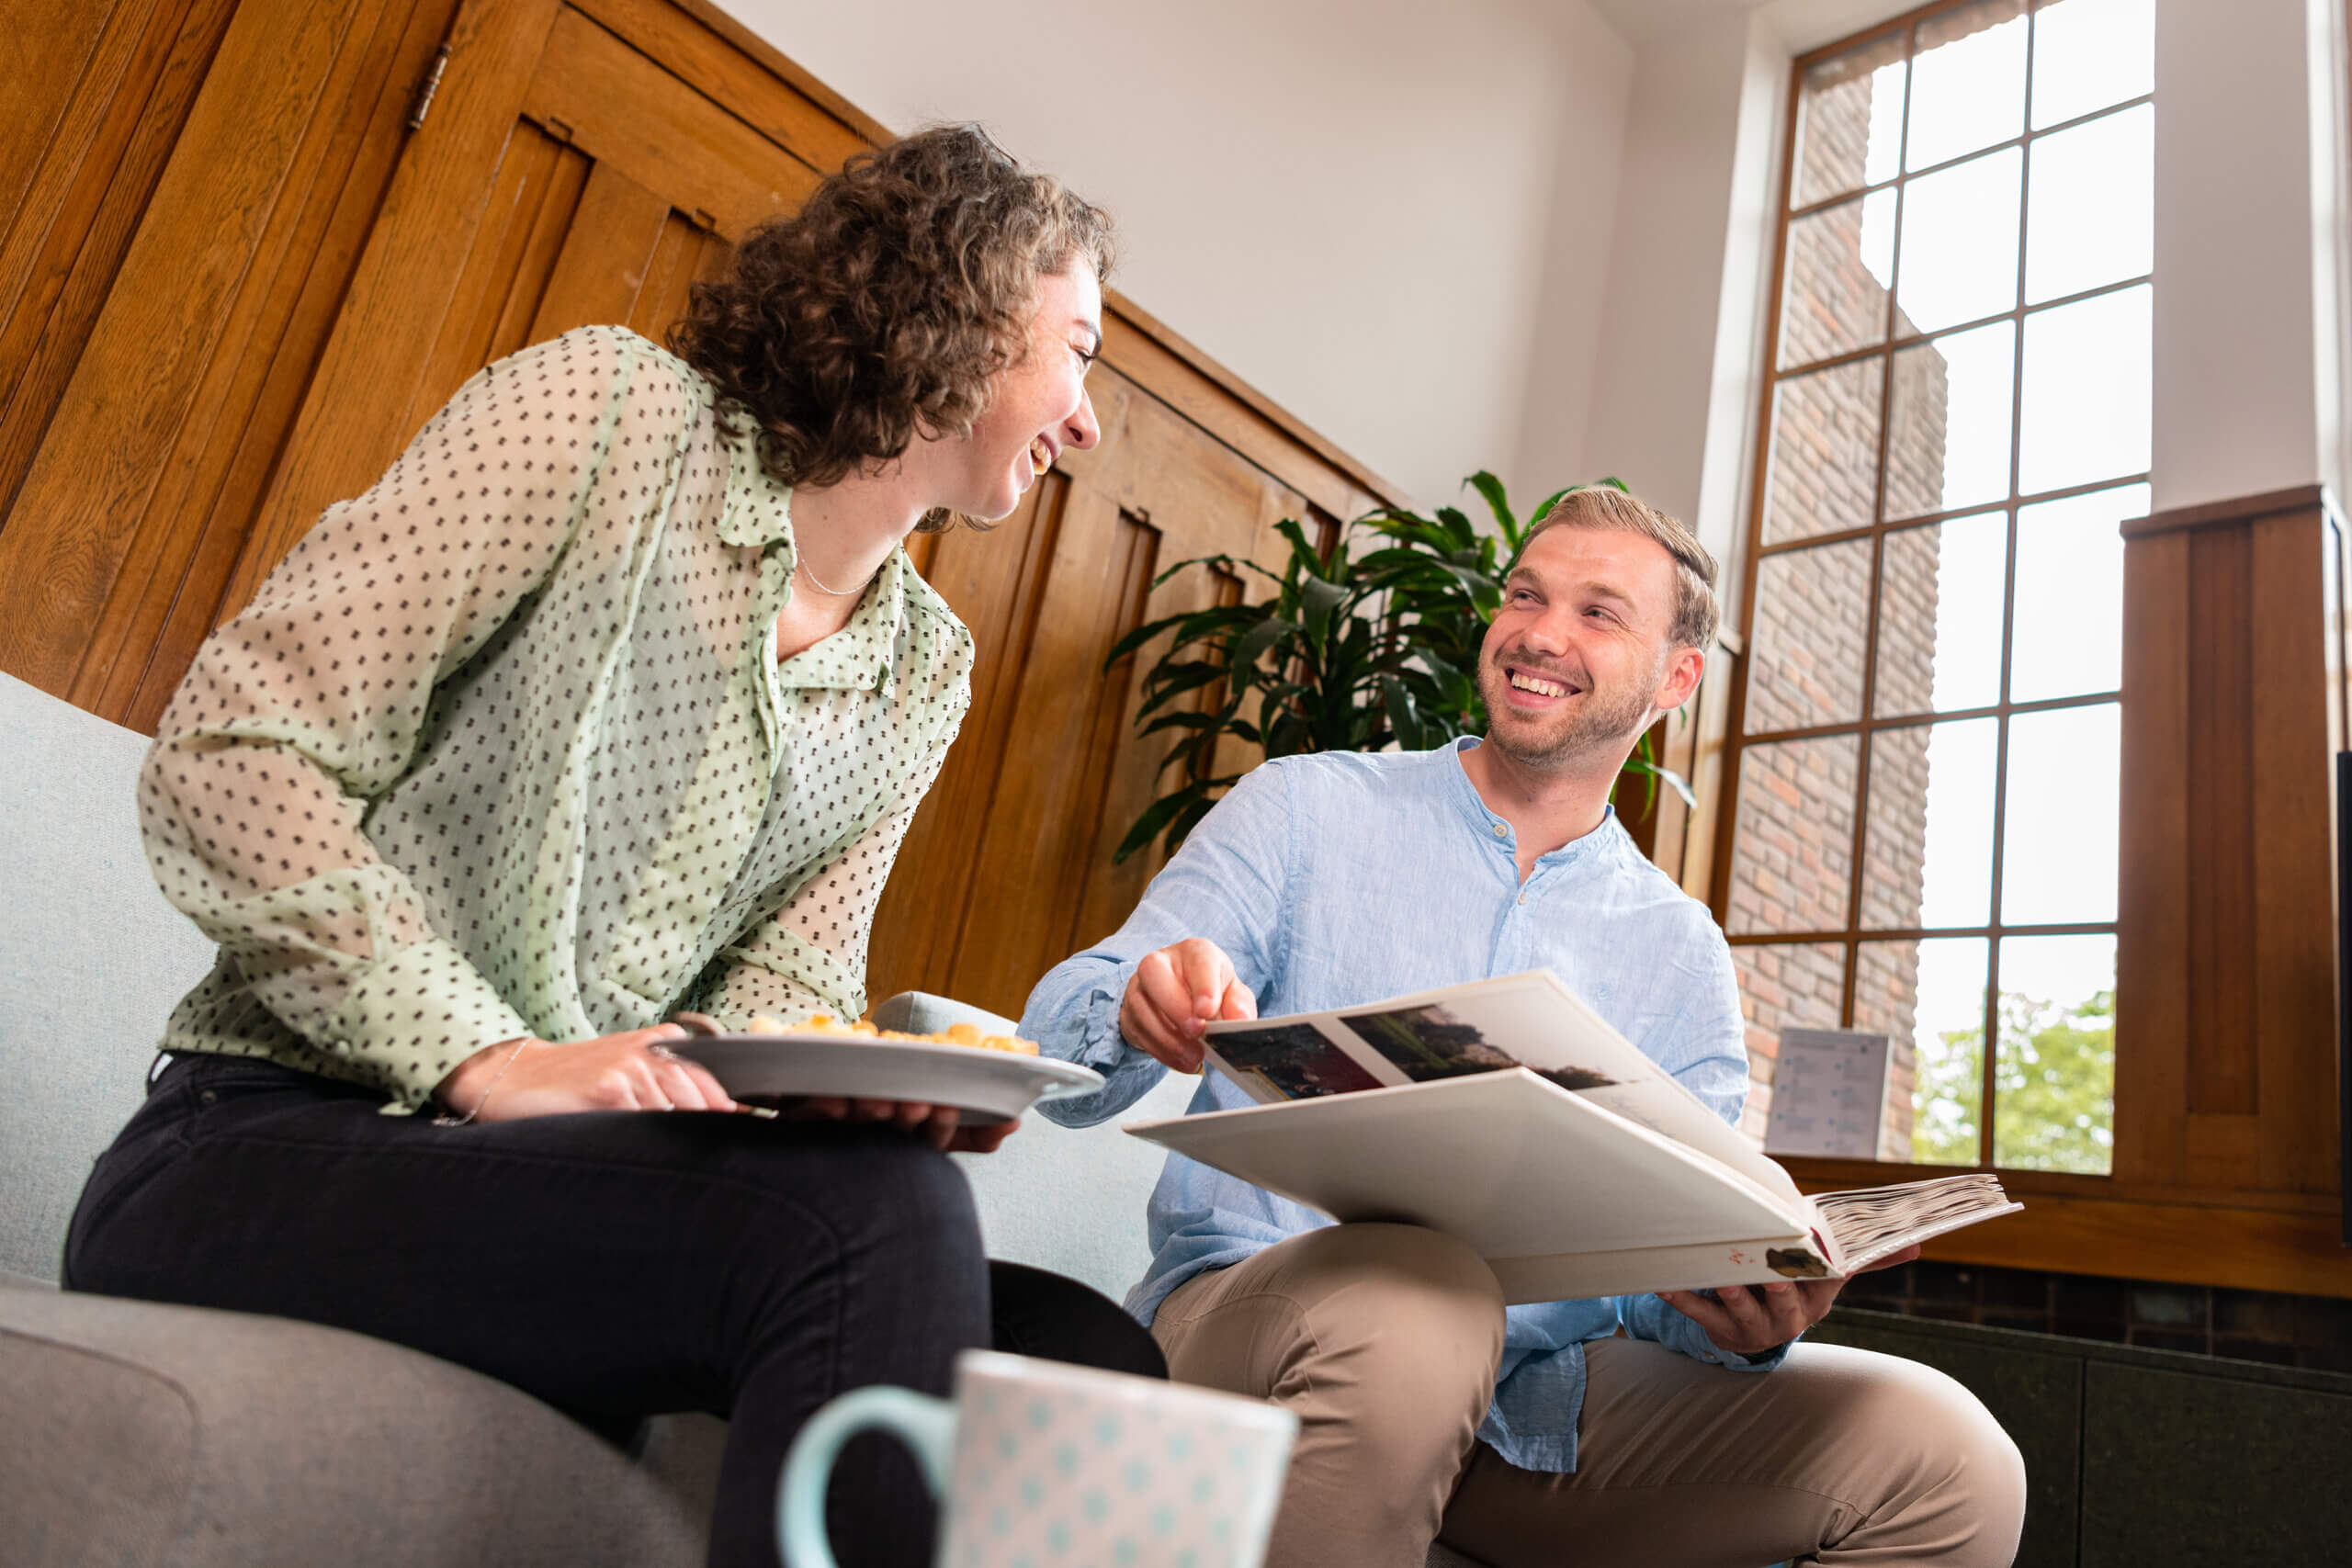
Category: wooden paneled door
[584,162]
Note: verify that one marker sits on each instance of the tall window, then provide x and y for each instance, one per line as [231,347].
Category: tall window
[1923,835]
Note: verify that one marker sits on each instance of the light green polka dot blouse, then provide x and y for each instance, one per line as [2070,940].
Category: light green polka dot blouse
[502,748]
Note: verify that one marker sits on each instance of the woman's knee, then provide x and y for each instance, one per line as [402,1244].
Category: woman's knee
[870,1208]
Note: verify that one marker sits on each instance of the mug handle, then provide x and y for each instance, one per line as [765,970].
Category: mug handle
[925,1425]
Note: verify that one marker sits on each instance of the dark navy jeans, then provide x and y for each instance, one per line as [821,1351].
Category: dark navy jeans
[615,1265]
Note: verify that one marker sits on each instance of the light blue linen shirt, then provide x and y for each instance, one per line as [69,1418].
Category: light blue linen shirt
[1339,879]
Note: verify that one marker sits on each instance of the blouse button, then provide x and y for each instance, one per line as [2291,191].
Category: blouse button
[1500,831]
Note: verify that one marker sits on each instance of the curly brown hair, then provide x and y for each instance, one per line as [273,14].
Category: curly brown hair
[883,307]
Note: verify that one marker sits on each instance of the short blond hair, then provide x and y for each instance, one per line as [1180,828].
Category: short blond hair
[1599,507]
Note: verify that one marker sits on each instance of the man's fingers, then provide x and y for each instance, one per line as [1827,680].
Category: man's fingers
[1709,1315]
[1165,992]
[1238,1001]
[1144,1027]
[1207,973]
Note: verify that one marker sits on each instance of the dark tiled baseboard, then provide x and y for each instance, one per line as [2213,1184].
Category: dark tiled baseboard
[2310,1332]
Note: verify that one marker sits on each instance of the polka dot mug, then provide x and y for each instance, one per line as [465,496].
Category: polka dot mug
[1044,1465]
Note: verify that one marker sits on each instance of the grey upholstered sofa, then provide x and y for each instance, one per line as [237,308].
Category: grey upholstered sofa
[133,1434]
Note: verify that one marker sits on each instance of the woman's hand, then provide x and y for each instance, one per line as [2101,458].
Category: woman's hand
[630,1071]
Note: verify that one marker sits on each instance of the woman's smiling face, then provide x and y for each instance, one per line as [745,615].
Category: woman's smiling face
[1038,407]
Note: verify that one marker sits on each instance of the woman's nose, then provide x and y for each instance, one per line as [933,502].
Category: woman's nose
[1082,430]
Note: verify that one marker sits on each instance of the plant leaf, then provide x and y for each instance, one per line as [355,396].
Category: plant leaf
[1155,816]
[1491,487]
[1321,598]
[1253,643]
[1403,716]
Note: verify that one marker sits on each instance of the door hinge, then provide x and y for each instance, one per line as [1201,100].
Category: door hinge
[423,105]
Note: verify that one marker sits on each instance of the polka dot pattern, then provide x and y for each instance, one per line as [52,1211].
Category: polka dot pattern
[502,747]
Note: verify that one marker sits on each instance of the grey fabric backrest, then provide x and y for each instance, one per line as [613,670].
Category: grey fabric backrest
[91,961]
[1059,1198]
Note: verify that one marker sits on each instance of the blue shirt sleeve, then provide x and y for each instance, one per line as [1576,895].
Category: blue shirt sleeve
[1228,883]
[1711,1051]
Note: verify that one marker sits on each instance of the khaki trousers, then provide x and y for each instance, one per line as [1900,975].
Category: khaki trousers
[1385,1341]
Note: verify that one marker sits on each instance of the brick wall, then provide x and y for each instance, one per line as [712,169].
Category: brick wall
[1793,855]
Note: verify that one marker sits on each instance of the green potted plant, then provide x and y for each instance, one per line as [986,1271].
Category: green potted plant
[1352,652]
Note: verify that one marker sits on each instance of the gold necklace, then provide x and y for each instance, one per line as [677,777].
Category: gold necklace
[802,562]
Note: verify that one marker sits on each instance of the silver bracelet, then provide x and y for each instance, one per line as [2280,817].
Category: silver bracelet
[447,1120]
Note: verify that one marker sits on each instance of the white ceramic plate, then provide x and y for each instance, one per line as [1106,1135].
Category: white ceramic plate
[988,1086]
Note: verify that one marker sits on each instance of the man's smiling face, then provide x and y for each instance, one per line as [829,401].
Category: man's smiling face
[1574,664]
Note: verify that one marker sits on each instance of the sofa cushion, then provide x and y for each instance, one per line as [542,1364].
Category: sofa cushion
[135,1433]
[92,959]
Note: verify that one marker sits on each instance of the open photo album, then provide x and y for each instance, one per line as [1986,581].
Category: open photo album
[1509,1115]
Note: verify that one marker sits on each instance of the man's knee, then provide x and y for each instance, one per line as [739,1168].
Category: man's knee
[1418,1269]
[1937,1448]
[1386,1308]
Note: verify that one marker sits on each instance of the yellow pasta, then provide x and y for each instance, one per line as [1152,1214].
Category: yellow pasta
[955,1034]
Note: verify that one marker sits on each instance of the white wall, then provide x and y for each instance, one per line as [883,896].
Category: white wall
[1678,364]
[1533,235]
[1349,202]
[2244,335]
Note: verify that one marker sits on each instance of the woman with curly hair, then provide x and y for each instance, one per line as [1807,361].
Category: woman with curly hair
[613,699]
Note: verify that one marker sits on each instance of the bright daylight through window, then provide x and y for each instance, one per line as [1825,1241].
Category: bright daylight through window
[1924,834]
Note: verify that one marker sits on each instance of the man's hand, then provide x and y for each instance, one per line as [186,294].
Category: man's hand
[1748,1320]
[1175,993]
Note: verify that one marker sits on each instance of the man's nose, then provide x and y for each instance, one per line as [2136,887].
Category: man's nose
[1082,430]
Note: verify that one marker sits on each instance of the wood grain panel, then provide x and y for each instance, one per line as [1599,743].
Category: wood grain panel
[683,255]
[184,543]
[374,363]
[349,160]
[2294,945]
[2152,944]
[133,383]
[1047,811]
[67,242]
[606,254]
[505,274]
[992,579]
[1127,765]
[624,110]
[2221,822]
[60,45]
[722,70]
[2248,1248]
[2223,1150]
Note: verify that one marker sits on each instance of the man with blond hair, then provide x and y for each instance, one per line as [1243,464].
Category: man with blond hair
[1634,1429]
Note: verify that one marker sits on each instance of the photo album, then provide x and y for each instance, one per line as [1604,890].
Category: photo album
[1509,1115]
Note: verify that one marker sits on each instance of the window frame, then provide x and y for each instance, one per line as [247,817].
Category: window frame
[1888,342]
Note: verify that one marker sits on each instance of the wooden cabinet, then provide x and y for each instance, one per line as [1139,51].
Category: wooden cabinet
[238,280]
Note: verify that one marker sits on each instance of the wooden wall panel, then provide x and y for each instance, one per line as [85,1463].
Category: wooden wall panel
[2225,966]
[2152,948]
[135,381]
[98,164]
[2294,934]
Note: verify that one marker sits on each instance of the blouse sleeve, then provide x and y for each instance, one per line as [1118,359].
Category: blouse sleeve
[314,699]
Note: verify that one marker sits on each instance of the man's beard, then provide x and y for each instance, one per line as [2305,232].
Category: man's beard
[1598,721]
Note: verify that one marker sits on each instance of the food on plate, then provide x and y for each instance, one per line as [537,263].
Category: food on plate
[955,1034]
